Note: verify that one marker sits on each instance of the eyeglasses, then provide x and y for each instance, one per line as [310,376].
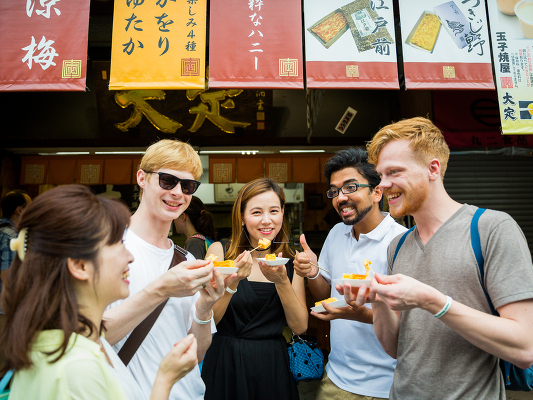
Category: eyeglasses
[346,189]
[169,182]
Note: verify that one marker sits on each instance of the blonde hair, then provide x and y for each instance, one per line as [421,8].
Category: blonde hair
[239,241]
[426,141]
[172,154]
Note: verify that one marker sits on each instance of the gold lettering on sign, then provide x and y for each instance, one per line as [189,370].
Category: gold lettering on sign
[34,174]
[222,173]
[278,171]
[138,98]
[210,108]
[448,71]
[288,67]
[352,71]
[71,69]
[90,174]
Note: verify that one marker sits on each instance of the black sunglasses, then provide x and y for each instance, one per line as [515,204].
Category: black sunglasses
[346,189]
[169,182]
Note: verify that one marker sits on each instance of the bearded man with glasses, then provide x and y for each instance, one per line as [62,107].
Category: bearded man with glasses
[358,367]
[167,176]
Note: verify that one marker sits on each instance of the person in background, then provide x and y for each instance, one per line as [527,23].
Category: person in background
[197,225]
[12,205]
[168,176]
[431,312]
[357,367]
[70,264]
[248,358]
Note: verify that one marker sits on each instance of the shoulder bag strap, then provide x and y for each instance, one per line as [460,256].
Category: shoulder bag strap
[400,243]
[476,246]
[136,338]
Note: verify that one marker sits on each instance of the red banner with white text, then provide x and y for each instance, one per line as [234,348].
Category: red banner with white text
[44,45]
[445,44]
[255,44]
[350,44]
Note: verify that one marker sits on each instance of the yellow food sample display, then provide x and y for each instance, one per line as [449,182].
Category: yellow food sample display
[224,264]
[330,27]
[366,264]
[354,276]
[211,257]
[263,243]
[426,34]
[330,300]
[270,257]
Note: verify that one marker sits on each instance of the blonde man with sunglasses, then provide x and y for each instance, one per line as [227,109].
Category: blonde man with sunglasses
[167,176]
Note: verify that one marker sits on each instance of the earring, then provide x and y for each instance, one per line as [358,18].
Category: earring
[242,223]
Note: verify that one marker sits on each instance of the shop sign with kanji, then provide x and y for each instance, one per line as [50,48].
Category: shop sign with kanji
[512,47]
[445,44]
[44,44]
[158,44]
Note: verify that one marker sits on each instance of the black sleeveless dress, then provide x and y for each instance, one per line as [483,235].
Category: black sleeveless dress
[248,358]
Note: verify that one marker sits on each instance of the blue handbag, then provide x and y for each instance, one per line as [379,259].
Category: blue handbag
[305,358]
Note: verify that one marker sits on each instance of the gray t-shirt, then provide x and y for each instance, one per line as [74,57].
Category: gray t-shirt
[434,362]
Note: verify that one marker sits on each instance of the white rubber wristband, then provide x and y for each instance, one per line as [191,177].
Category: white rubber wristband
[203,322]
[316,276]
[229,290]
[445,308]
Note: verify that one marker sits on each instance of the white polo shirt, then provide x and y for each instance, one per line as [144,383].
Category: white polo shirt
[357,362]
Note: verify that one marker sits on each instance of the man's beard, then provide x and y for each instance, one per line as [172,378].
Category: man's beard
[358,215]
[411,202]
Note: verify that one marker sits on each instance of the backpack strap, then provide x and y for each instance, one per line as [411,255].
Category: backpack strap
[5,380]
[476,246]
[134,341]
[400,243]
[197,236]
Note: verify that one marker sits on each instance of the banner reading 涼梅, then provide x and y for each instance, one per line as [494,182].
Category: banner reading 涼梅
[350,44]
[511,25]
[255,44]
[158,45]
[44,45]
[445,44]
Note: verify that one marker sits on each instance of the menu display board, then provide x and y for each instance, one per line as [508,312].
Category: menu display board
[445,44]
[512,45]
[350,44]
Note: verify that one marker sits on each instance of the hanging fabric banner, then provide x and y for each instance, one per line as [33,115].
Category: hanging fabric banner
[255,44]
[44,45]
[445,44]
[350,45]
[158,44]
[511,25]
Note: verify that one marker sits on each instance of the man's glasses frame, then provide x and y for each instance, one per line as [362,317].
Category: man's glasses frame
[345,189]
[168,182]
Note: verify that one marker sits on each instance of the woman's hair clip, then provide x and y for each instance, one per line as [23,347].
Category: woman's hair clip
[20,244]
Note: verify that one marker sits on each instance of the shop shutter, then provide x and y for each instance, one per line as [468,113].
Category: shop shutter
[499,182]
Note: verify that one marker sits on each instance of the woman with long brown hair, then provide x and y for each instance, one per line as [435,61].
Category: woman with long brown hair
[248,356]
[70,265]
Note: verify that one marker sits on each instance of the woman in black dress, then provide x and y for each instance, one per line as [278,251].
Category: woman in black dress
[248,358]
